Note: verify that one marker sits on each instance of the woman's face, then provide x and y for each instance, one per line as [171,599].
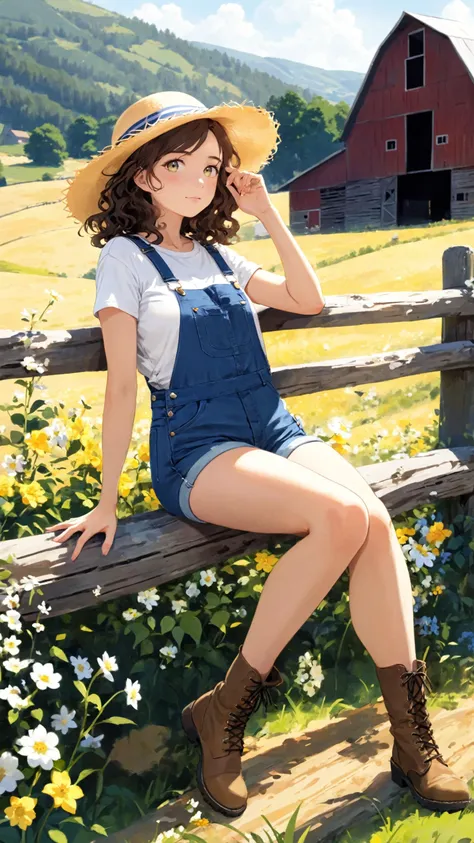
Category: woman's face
[185,175]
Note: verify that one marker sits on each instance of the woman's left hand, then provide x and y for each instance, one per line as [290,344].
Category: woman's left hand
[249,191]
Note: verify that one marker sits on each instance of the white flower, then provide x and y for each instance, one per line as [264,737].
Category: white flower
[54,295]
[179,606]
[96,591]
[38,626]
[40,747]
[81,666]
[9,772]
[12,601]
[92,742]
[44,609]
[108,663]
[57,433]
[43,676]
[169,651]
[32,366]
[39,386]
[192,590]
[149,597]
[63,721]
[10,645]
[15,665]
[12,618]
[29,582]
[13,695]
[207,577]
[14,465]
[133,692]
[131,614]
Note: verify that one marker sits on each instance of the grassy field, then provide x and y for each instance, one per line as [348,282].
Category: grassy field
[43,239]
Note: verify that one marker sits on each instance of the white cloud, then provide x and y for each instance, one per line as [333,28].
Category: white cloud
[310,31]
[457,10]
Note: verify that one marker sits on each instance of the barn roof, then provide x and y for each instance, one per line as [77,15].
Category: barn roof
[286,184]
[460,34]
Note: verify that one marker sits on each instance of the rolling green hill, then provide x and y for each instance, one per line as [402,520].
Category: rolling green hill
[333,85]
[62,58]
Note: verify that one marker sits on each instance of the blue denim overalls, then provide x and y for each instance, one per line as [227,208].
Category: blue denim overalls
[221,394]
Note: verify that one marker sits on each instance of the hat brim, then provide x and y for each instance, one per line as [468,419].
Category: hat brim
[252,131]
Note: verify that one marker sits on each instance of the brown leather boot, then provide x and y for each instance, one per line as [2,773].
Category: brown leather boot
[216,721]
[416,760]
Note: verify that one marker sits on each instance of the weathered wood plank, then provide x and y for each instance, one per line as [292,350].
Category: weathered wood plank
[328,767]
[457,385]
[155,548]
[82,349]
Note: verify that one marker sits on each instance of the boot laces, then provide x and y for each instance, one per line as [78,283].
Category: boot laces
[416,681]
[249,703]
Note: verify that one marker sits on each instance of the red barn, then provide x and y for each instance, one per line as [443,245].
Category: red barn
[408,153]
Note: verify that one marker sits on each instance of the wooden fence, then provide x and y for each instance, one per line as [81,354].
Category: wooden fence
[154,547]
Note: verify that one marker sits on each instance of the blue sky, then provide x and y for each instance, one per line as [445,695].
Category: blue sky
[335,34]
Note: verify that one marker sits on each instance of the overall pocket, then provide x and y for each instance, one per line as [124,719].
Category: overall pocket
[216,337]
[184,415]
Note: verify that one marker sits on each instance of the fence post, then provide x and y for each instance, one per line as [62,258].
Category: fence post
[456,419]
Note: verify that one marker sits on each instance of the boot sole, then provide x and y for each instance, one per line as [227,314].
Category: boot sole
[403,781]
[193,736]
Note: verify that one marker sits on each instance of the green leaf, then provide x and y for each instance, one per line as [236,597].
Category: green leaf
[72,820]
[57,836]
[16,437]
[13,716]
[80,687]
[95,700]
[118,721]
[220,618]
[37,713]
[18,419]
[99,828]
[83,774]
[191,625]
[60,654]
[167,624]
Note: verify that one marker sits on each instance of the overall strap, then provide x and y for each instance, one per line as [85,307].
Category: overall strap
[156,259]
[221,263]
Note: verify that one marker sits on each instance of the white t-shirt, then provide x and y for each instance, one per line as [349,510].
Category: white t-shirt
[127,279]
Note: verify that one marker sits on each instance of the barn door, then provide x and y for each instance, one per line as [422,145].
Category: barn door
[389,201]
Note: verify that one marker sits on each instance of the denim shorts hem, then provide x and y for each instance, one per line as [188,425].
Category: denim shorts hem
[193,472]
[286,449]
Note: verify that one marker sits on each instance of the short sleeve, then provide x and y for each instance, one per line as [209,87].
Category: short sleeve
[116,286]
[243,267]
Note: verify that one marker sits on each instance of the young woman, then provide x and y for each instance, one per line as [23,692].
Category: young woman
[176,302]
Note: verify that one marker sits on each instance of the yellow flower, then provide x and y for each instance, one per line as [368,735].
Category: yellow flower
[32,494]
[438,589]
[144,452]
[63,792]
[21,811]
[149,496]
[265,561]
[7,486]
[437,532]
[38,441]
[403,532]
[125,485]
[91,455]
[77,428]
[131,462]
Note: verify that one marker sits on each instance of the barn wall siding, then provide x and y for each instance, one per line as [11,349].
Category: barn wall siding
[363,204]
[462,181]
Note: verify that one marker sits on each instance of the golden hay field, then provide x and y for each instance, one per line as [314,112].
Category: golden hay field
[43,238]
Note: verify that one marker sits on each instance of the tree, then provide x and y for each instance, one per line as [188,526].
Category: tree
[81,131]
[46,146]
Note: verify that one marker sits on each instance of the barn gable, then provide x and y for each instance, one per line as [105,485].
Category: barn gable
[460,34]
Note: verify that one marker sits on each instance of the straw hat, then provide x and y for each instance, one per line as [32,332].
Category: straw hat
[251,129]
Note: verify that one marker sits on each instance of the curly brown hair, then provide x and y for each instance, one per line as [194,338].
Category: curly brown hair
[127,209]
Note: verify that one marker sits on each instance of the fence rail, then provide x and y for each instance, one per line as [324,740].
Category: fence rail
[155,547]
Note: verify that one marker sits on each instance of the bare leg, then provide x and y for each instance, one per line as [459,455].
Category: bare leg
[254,490]
[380,591]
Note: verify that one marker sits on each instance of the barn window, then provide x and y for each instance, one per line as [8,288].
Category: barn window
[462,197]
[390,144]
[441,139]
[415,72]
[416,43]
[415,63]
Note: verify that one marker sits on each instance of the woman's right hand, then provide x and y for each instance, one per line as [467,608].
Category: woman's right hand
[102,519]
